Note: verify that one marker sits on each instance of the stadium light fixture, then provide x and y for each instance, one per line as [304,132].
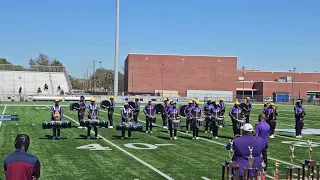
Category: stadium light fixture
[293,71]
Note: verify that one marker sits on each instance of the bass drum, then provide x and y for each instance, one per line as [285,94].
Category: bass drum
[132,104]
[181,110]
[74,106]
[159,108]
[105,104]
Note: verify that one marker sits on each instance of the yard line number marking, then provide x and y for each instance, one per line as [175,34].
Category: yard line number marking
[146,146]
[94,147]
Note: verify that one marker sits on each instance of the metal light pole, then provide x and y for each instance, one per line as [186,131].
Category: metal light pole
[94,74]
[100,64]
[293,80]
[116,57]
[132,66]
[100,76]
[243,82]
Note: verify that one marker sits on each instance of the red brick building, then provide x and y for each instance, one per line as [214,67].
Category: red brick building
[146,73]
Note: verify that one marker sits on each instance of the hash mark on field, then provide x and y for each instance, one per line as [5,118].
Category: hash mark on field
[164,144]
[205,178]
[129,154]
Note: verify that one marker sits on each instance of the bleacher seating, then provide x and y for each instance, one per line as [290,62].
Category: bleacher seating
[30,81]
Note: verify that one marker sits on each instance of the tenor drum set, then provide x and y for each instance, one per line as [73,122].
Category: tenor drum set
[129,126]
[94,123]
[56,124]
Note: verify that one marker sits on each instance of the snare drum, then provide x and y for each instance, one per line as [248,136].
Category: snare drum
[240,123]
[199,122]
[219,121]
[176,124]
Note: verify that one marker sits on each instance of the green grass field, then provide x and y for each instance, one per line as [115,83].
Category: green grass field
[166,159]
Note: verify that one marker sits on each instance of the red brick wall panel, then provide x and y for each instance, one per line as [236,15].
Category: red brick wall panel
[180,73]
[270,87]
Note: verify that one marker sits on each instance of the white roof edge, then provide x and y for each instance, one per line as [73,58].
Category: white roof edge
[255,71]
[179,55]
[289,82]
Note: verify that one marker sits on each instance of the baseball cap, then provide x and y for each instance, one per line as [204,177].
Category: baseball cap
[247,127]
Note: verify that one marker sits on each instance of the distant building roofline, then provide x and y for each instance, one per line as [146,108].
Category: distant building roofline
[146,54]
[257,70]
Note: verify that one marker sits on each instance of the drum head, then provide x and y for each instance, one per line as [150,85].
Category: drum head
[132,104]
[105,104]
[76,106]
[181,110]
[159,108]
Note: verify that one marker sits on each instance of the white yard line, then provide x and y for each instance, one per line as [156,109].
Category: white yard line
[129,154]
[4,111]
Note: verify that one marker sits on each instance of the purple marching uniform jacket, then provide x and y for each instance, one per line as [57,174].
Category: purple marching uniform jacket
[235,113]
[112,104]
[269,113]
[242,152]
[126,114]
[82,105]
[93,108]
[150,110]
[187,111]
[263,131]
[55,108]
[222,105]
[173,113]
[207,109]
[196,113]
[216,112]
[297,112]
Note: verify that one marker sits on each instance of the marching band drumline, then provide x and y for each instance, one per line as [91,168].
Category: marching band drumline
[211,117]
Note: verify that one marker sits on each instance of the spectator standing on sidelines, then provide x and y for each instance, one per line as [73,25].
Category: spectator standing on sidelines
[20,165]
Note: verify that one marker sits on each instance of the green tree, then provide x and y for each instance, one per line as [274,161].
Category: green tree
[44,63]
[4,61]
[75,82]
